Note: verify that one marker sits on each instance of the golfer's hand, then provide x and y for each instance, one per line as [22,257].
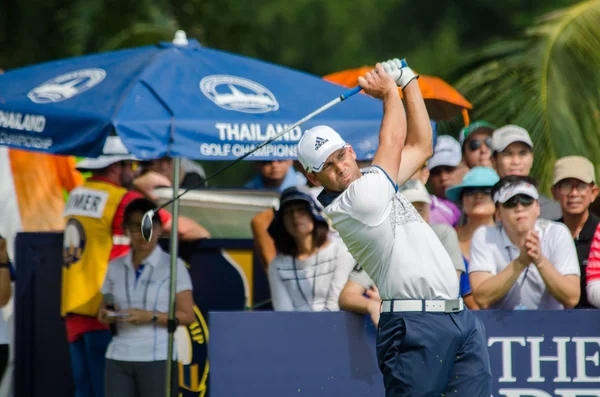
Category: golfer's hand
[136,316]
[378,83]
[400,72]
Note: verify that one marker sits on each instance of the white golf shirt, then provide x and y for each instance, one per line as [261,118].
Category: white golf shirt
[492,251]
[391,242]
[146,342]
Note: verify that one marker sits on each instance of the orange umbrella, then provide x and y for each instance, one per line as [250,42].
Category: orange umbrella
[442,100]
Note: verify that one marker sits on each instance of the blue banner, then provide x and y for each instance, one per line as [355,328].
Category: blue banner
[533,354]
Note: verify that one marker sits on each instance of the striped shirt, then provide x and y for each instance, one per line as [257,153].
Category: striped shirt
[311,284]
[593,265]
[593,271]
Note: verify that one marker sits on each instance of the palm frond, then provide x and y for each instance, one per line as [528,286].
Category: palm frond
[548,82]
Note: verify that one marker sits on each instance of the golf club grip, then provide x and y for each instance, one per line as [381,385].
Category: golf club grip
[348,94]
[323,108]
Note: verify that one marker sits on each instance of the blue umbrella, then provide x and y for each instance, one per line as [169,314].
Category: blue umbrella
[173,100]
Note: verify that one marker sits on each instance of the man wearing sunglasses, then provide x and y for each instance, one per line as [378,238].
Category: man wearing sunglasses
[524,262]
[513,155]
[574,187]
[476,142]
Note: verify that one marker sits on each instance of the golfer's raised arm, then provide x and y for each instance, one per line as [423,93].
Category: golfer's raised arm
[379,84]
[418,146]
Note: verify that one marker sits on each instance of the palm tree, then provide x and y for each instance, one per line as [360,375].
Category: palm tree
[548,82]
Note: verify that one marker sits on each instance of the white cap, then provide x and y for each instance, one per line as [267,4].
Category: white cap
[316,145]
[508,134]
[447,152]
[114,151]
[510,191]
[415,191]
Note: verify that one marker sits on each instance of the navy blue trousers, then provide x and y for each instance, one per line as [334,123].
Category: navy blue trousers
[433,355]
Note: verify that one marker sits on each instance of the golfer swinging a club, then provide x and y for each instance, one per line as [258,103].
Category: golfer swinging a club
[428,343]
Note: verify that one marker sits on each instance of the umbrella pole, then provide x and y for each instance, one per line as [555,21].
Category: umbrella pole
[172,326]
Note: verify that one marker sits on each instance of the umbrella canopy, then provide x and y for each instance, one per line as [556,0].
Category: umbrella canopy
[173,100]
[443,102]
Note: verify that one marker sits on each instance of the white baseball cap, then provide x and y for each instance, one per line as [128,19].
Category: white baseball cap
[447,152]
[415,191]
[316,145]
[508,134]
[510,191]
[114,151]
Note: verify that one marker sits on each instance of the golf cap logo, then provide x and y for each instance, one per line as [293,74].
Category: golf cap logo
[320,142]
[66,86]
[239,94]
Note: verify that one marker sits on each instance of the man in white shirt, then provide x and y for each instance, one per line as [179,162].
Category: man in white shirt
[352,297]
[397,249]
[525,262]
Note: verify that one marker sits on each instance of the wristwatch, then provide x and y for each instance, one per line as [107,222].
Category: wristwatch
[154,318]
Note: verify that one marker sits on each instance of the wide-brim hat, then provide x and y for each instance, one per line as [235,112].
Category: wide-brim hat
[292,194]
[476,177]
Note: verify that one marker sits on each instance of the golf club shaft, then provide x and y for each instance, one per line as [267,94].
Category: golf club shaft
[323,108]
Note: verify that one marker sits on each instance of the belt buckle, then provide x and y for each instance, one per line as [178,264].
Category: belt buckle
[452,306]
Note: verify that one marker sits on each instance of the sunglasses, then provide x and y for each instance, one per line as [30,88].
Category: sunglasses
[475,144]
[472,191]
[525,201]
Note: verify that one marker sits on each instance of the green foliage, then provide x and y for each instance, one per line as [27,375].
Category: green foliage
[546,82]
[506,80]
[317,36]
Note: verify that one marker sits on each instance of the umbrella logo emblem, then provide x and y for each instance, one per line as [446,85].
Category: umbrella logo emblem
[239,94]
[66,86]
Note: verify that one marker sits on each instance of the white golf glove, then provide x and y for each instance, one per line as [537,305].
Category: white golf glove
[399,71]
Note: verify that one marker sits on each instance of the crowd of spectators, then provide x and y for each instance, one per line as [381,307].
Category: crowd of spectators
[513,247]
